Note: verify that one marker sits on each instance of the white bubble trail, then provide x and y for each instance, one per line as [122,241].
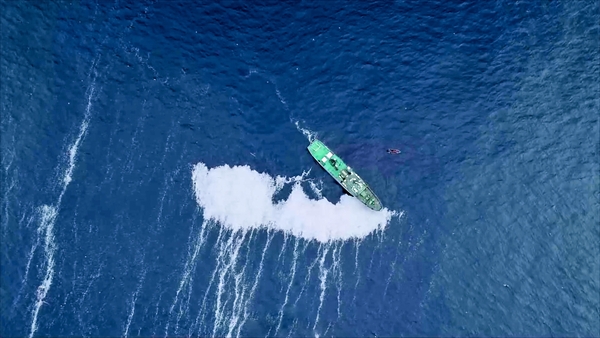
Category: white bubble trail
[287,292]
[49,213]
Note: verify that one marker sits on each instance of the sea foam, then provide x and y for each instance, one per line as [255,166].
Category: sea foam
[241,199]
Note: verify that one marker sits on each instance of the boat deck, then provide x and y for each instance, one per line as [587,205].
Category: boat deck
[343,174]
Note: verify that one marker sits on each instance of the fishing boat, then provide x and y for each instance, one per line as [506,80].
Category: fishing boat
[344,175]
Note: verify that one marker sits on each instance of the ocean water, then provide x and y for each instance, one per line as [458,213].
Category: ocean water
[156,182]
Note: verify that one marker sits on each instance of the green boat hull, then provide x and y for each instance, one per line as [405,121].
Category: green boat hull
[344,175]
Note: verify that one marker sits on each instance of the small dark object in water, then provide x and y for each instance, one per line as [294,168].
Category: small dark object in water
[393,151]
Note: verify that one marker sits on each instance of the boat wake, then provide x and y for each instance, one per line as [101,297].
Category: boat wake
[49,213]
[309,134]
[238,206]
[240,198]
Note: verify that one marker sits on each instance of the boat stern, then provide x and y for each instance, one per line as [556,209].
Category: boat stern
[318,150]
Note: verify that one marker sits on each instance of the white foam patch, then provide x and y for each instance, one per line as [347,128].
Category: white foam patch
[241,199]
[315,189]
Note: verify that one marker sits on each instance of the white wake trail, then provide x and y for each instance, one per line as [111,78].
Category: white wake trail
[287,292]
[133,301]
[256,279]
[307,279]
[48,217]
[189,268]
[285,240]
[241,202]
[309,134]
[200,318]
[28,265]
[49,213]
[337,270]
[356,271]
[240,293]
[323,278]
[228,266]
[236,241]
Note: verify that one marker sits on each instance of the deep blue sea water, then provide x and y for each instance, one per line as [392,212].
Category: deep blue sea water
[133,135]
